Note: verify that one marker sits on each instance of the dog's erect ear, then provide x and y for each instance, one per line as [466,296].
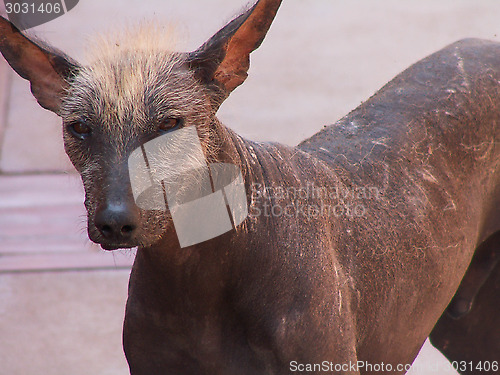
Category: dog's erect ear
[222,62]
[48,71]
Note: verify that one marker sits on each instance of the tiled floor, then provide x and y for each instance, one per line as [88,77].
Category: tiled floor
[42,226]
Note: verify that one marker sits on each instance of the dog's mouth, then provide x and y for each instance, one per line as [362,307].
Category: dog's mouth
[112,246]
[127,244]
[109,244]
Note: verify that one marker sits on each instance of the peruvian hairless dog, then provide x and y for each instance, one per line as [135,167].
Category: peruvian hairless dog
[355,241]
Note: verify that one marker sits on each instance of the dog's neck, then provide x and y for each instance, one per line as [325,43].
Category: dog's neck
[263,165]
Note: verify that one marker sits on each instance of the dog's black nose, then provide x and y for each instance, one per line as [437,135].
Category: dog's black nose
[117,222]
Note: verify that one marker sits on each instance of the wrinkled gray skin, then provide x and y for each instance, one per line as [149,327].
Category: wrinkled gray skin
[416,170]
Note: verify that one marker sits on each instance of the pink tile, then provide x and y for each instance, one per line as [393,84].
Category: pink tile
[32,139]
[4,95]
[43,226]
[67,262]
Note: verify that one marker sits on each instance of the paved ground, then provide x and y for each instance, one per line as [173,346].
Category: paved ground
[61,298]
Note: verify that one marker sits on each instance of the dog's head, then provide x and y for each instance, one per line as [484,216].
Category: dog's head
[134,89]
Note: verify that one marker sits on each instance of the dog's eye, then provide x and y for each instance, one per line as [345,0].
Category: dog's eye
[79,129]
[169,123]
